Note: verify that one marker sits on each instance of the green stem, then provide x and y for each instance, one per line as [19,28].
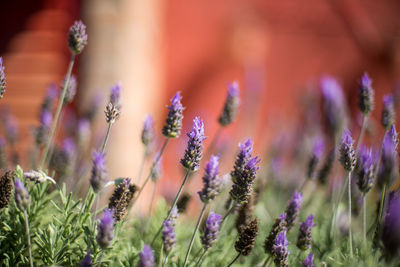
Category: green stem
[58,112]
[335,209]
[237,257]
[350,232]
[97,196]
[103,147]
[201,257]
[172,207]
[153,193]
[194,234]
[28,238]
[266,261]
[364,218]
[100,258]
[165,260]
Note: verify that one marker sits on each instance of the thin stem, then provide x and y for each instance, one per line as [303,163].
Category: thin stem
[165,260]
[228,212]
[172,207]
[97,196]
[266,261]
[103,147]
[100,258]
[362,131]
[57,115]
[28,238]
[153,193]
[201,257]
[381,204]
[194,234]
[335,210]
[237,257]
[364,218]
[51,149]
[350,232]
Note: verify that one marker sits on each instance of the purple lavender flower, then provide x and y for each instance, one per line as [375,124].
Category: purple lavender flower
[309,260]
[334,104]
[105,229]
[146,257]
[293,210]
[280,250]
[22,198]
[115,95]
[212,184]
[347,156]
[394,135]
[173,123]
[71,89]
[366,95]
[304,238]
[193,152]
[168,236]
[87,261]
[174,216]
[366,169]
[43,129]
[99,172]
[77,37]
[2,79]
[391,225]
[244,155]
[232,102]
[211,230]
[316,154]
[148,132]
[389,163]
[388,113]
[279,226]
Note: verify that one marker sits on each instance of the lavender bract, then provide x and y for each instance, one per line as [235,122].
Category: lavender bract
[293,210]
[146,257]
[77,37]
[99,172]
[105,229]
[194,150]
[347,156]
[304,238]
[211,181]
[366,95]
[309,261]
[2,79]
[168,236]
[211,230]
[388,113]
[22,198]
[232,102]
[280,250]
[173,123]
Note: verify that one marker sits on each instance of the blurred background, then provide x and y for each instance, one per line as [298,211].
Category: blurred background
[276,50]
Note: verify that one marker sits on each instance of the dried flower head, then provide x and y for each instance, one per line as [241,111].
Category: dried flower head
[366,95]
[247,237]
[173,123]
[391,226]
[244,155]
[281,250]
[388,113]
[120,200]
[304,239]
[365,169]
[146,257]
[71,89]
[245,214]
[2,79]
[99,172]
[346,152]
[37,176]
[6,187]
[194,150]
[168,236]
[87,261]
[22,198]
[148,132]
[279,226]
[112,113]
[77,37]
[293,210]
[113,108]
[211,181]
[105,229]
[316,154]
[232,102]
[211,230]
[309,260]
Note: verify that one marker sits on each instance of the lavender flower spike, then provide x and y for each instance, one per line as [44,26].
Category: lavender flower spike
[173,123]
[211,230]
[146,257]
[115,95]
[366,170]
[281,251]
[148,132]
[105,229]
[168,236]
[293,210]
[113,109]
[193,152]
[22,198]
[394,135]
[2,79]
[279,226]
[391,226]
[309,260]
[388,113]
[304,238]
[232,102]
[212,184]
[366,95]
[77,37]
[347,155]
[244,155]
[317,150]
[389,162]
[87,261]
[99,172]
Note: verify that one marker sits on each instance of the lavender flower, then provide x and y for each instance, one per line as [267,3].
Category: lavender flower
[99,172]
[105,229]
[366,170]
[212,184]
[148,132]
[77,37]
[293,210]
[394,135]
[120,200]
[2,79]
[279,226]
[232,102]
[173,123]
[346,151]
[326,168]
[146,257]
[71,89]
[334,104]
[6,187]
[193,152]
[42,131]
[247,237]
[168,236]
[115,96]
[391,225]
[211,230]
[174,215]
[113,109]
[388,113]
[22,198]
[366,95]
[244,155]
[281,251]
[38,176]
[389,163]
[317,150]
[304,238]
[309,260]
[87,261]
